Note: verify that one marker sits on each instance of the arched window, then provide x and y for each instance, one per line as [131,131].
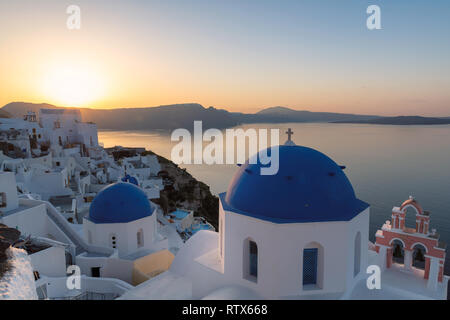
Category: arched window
[313,266]
[410,217]
[140,238]
[250,260]
[357,256]
[398,252]
[419,252]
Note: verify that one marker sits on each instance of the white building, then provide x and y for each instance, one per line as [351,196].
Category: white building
[20,141]
[122,219]
[182,219]
[29,124]
[64,127]
[119,243]
[142,167]
[298,234]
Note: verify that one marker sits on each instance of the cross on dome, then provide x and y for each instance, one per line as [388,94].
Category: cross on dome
[289,133]
[289,141]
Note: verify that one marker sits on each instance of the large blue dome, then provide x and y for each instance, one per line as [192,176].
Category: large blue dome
[309,187]
[120,202]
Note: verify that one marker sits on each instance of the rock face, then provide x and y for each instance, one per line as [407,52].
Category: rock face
[16,272]
[184,191]
[8,236]
[18,282]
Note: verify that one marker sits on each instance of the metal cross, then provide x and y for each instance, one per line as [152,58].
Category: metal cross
[289,133]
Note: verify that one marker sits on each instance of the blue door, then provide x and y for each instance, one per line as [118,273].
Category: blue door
[310,266]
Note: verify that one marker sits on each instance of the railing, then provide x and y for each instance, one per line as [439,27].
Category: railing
[89,296]
[54,288]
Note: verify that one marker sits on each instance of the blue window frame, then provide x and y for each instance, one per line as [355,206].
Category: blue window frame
[310,266]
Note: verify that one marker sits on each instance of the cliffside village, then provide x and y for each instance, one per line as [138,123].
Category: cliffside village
[52,167]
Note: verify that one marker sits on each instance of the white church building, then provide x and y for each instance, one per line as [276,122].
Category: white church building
[299,234]
[122,218]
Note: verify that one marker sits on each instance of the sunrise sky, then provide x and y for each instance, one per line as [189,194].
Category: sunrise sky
[241,55]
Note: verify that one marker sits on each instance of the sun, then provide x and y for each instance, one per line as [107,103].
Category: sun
[73,85]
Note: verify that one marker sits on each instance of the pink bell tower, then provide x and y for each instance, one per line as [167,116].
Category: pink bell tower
[409,238]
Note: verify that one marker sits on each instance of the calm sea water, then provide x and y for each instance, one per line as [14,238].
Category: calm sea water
[386,164]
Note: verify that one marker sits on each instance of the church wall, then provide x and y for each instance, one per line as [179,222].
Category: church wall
[280,254]
[125,233]
[360,223]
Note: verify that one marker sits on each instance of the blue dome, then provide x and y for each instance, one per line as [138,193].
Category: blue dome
[120,202]
[309,187]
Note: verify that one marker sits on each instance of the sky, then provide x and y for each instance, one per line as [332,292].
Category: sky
[241,55]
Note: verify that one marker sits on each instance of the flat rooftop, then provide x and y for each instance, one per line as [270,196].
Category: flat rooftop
[21,207]
[398,284]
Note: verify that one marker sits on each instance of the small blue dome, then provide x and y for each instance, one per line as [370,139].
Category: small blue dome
[120,202]
[309,187]
[130,179]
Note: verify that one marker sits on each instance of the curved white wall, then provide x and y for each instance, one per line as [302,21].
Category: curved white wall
[125,233]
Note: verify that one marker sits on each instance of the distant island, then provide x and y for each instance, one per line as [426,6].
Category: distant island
[4,114]
[170,117]
[402,120]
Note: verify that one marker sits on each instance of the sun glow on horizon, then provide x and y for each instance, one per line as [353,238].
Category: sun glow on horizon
[73,85]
